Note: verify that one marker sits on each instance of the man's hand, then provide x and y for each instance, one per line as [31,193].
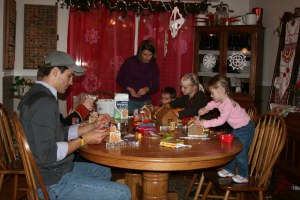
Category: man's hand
[96,136]
[103,121]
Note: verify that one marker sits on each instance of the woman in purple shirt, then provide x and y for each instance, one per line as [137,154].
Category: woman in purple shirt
[139,76]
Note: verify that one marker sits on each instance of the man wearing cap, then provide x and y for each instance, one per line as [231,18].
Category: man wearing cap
[53,144]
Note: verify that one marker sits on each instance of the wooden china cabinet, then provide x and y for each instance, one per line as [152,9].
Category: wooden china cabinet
[234,51]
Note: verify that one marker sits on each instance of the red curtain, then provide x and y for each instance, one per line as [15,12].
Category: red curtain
[100,41]
[179,57]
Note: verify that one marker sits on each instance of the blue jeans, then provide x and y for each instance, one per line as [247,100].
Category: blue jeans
[134,104]
[245,135]
[87,181]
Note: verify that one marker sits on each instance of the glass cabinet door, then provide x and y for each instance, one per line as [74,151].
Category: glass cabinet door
[238,60]
[209,56]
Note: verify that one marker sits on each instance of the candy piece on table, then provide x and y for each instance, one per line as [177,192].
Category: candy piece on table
[171,142]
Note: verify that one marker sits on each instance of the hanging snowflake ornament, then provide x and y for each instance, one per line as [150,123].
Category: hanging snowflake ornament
[209,61]
[237,60]
[166,43]
[91,36]
[176,21]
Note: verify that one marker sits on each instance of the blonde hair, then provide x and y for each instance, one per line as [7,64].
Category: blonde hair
[219,81]
[194,80]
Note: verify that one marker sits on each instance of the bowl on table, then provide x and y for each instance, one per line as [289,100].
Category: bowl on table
[224,137]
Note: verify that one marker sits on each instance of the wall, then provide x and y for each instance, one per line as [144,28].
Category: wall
[240,7]
[63,17]
[272,13]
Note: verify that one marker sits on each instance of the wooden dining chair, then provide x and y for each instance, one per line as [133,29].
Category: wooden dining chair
[9,163]
[30,166]
[268,141]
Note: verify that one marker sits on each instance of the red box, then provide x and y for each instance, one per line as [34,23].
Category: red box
[226,137]
[146,130]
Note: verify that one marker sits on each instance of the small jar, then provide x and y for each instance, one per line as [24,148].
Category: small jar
[218,16]
[221,13]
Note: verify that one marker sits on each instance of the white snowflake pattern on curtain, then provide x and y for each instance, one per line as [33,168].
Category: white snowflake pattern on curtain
[151,32]
[91,36]
[91,82]
[115,63]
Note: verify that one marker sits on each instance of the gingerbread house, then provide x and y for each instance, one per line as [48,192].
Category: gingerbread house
[149,111]
[114,135]
[164,116]
[194,130]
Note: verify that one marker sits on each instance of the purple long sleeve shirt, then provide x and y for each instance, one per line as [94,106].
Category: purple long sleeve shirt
[137,75]
[230,112]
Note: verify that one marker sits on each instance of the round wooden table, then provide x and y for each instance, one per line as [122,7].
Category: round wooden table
[156,161]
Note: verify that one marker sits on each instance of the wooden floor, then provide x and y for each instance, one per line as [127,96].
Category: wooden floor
[6,192]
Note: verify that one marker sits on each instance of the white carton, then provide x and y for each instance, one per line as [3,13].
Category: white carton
[106,106]
[121,106]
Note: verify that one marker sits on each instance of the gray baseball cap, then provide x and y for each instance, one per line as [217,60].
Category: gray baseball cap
[59,58]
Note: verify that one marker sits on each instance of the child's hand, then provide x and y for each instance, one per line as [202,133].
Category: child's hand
[202,111]
[198,123]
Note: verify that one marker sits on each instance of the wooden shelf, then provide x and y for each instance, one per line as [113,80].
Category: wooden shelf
[229,75]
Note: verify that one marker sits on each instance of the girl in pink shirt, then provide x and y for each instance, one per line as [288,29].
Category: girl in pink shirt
[237,118]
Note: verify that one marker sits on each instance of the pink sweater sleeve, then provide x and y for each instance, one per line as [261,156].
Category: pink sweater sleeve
[212,105]
[225,110]
[233,114]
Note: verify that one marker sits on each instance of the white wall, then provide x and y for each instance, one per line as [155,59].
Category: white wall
[62,31]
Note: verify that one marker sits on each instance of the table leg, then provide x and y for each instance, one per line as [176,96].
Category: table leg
[134,182]
[155,186]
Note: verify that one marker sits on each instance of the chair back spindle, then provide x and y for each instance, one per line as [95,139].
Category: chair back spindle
[268,141]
